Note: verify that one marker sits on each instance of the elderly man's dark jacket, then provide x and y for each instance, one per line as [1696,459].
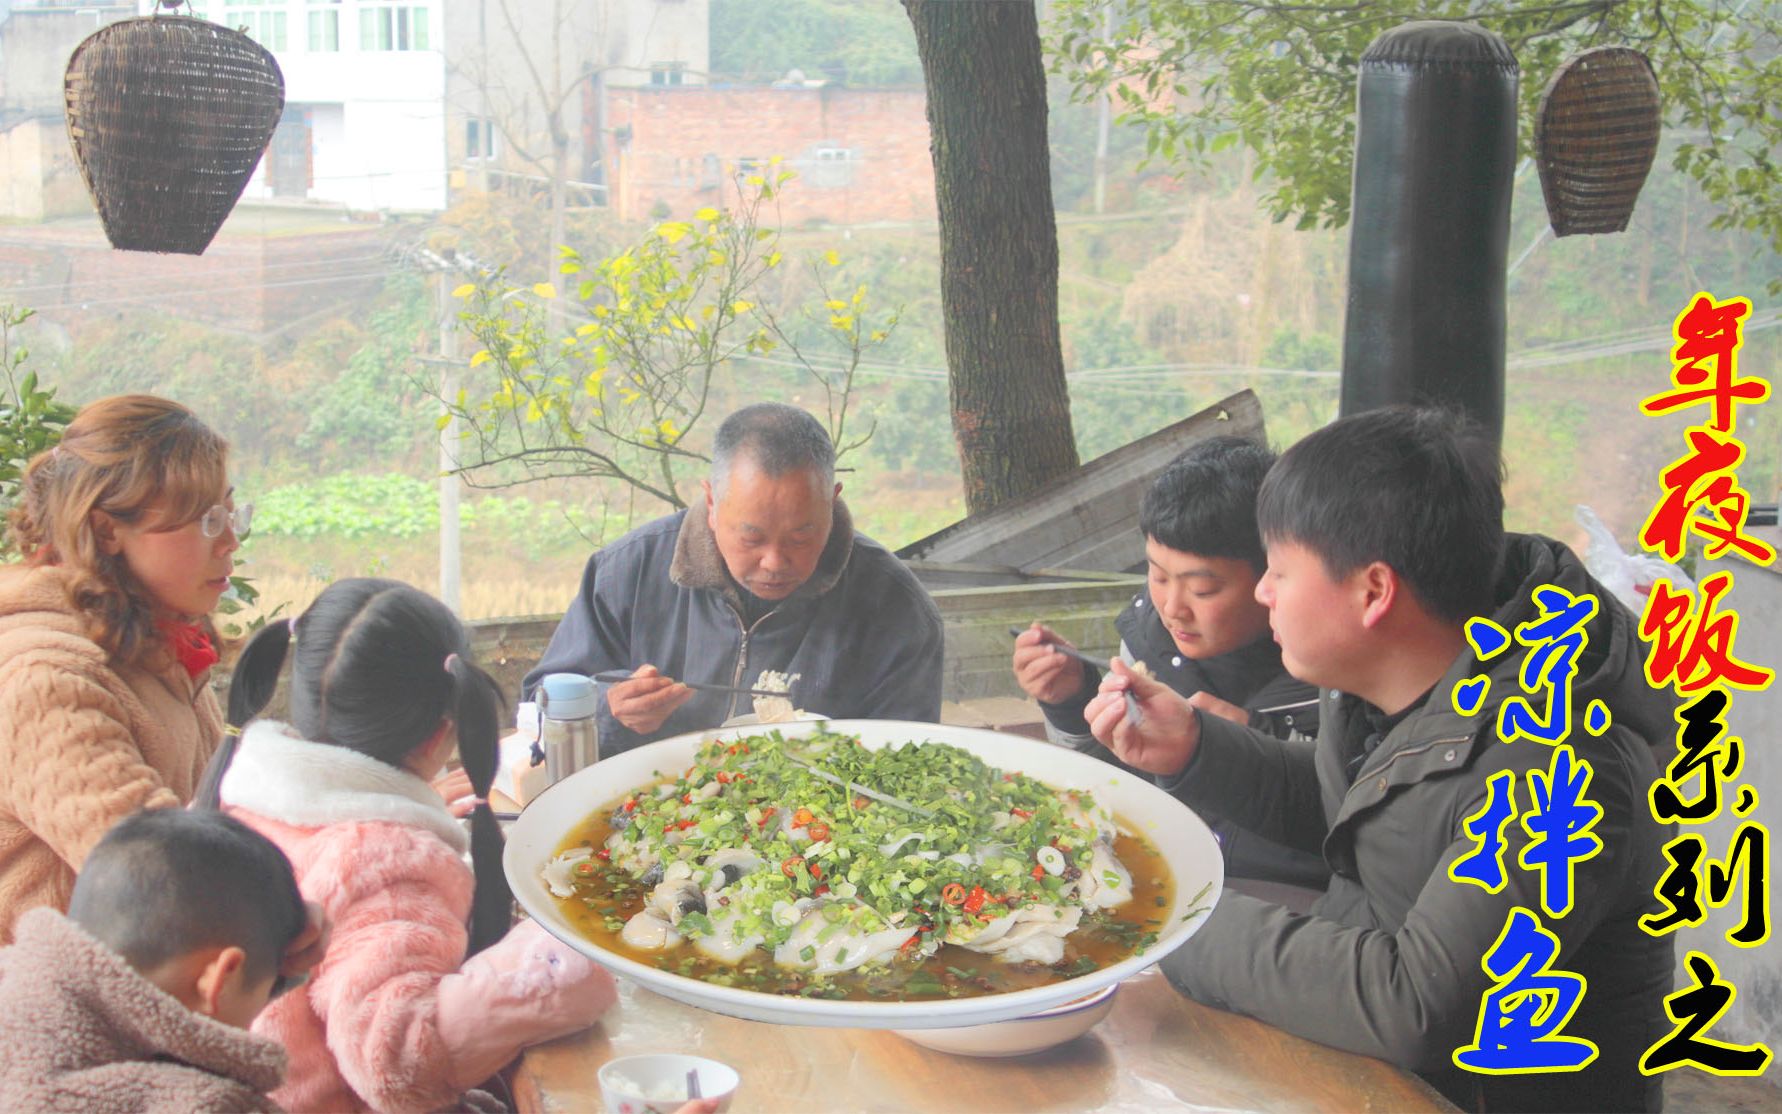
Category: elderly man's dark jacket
[861,633]
[1388,961]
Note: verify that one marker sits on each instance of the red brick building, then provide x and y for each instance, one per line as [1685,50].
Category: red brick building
[861,154]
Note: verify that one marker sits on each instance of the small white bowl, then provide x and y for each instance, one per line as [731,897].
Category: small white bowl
[656,1083]
[1022,1035]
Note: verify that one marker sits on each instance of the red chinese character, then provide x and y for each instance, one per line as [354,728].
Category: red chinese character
[1703,477]
[1708,332]
[1694,650]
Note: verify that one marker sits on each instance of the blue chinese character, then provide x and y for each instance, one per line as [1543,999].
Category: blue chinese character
[1521,1016]
[1484,864]
[1560,823]
[1555,640]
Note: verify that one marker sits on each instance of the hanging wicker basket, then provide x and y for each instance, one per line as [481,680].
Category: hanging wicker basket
[168,116]
[1595,138]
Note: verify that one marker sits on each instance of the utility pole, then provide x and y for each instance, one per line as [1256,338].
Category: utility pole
[451,550]
[1103,112]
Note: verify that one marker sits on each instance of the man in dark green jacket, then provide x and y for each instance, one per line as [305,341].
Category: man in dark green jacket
[1384,536]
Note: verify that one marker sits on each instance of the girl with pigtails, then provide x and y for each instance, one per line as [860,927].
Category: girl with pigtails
[407,1010]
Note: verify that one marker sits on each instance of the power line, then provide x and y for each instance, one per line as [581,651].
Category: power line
[161,296]
[220,272]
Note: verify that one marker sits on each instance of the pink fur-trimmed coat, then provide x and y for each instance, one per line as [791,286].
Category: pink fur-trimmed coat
[394,1018]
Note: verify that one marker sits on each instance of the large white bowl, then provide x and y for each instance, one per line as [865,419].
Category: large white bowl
[1185,842]
[1021,1036]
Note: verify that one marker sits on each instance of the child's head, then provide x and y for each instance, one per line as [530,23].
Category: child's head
[1202,547]
[197,902]
[126,500]
[1403,494]
[383,669]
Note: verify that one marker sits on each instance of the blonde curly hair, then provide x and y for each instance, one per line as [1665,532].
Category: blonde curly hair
[120,455]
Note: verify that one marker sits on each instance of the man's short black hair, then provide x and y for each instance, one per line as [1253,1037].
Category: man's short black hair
[166,882]
[1418,488]
[1205,501]
[777,438]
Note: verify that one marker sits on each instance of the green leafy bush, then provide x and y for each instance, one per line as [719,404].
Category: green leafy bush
[31,420]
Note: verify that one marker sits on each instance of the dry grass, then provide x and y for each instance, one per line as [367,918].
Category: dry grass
[500,581]
[483,598]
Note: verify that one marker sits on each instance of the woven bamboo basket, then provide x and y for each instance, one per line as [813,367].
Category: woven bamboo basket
[168,116]
[1595,137]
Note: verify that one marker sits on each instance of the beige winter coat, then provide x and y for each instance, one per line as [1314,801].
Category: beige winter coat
[82,743]
[84,1032]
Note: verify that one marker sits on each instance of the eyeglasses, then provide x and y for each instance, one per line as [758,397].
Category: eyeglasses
[214,520]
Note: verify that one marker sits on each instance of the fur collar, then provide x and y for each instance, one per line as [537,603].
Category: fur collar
[280,775]
[697,563]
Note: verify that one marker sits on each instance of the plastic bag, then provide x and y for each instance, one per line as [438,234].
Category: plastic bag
[1629,577]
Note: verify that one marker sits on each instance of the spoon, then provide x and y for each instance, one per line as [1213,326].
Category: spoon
[1134,714]
[693,1084]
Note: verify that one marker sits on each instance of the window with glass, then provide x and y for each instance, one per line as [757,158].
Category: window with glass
[479,138]
[263,22]
[393,26]
[668,73]
[324,25]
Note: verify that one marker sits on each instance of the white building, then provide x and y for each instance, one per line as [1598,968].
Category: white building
[386,99]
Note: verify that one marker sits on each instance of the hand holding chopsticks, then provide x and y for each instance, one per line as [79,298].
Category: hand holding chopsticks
[619,676]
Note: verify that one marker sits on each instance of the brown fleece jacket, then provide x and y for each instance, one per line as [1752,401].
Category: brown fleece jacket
[83,1031]
[84,742]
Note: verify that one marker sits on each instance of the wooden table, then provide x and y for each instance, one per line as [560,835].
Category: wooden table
[1155,1051]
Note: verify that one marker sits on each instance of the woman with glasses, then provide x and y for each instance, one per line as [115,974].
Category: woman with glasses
[128,531]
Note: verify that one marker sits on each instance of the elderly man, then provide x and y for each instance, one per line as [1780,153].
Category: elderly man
[768,575]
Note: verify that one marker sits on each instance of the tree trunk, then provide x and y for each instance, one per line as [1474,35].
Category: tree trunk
[999,244]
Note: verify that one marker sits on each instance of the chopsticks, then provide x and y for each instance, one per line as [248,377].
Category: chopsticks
[614,676]
[1134,714]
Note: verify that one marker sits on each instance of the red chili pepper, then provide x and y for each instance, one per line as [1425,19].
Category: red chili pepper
[686,798]
[820,891]
[952,893]
[723,777]
[819,830]
[790,867]
[766,816]
[925,928]
[685,824]
[603,854]
[1039,872]
[1023,813]
[860,802]
[974,901]
[908,944]
[630,804]
[584,869]
[816,870]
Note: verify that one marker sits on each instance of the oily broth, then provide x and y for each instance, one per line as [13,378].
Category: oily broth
[952,972]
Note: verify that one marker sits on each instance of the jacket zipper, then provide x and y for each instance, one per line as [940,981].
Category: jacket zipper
[742,657]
